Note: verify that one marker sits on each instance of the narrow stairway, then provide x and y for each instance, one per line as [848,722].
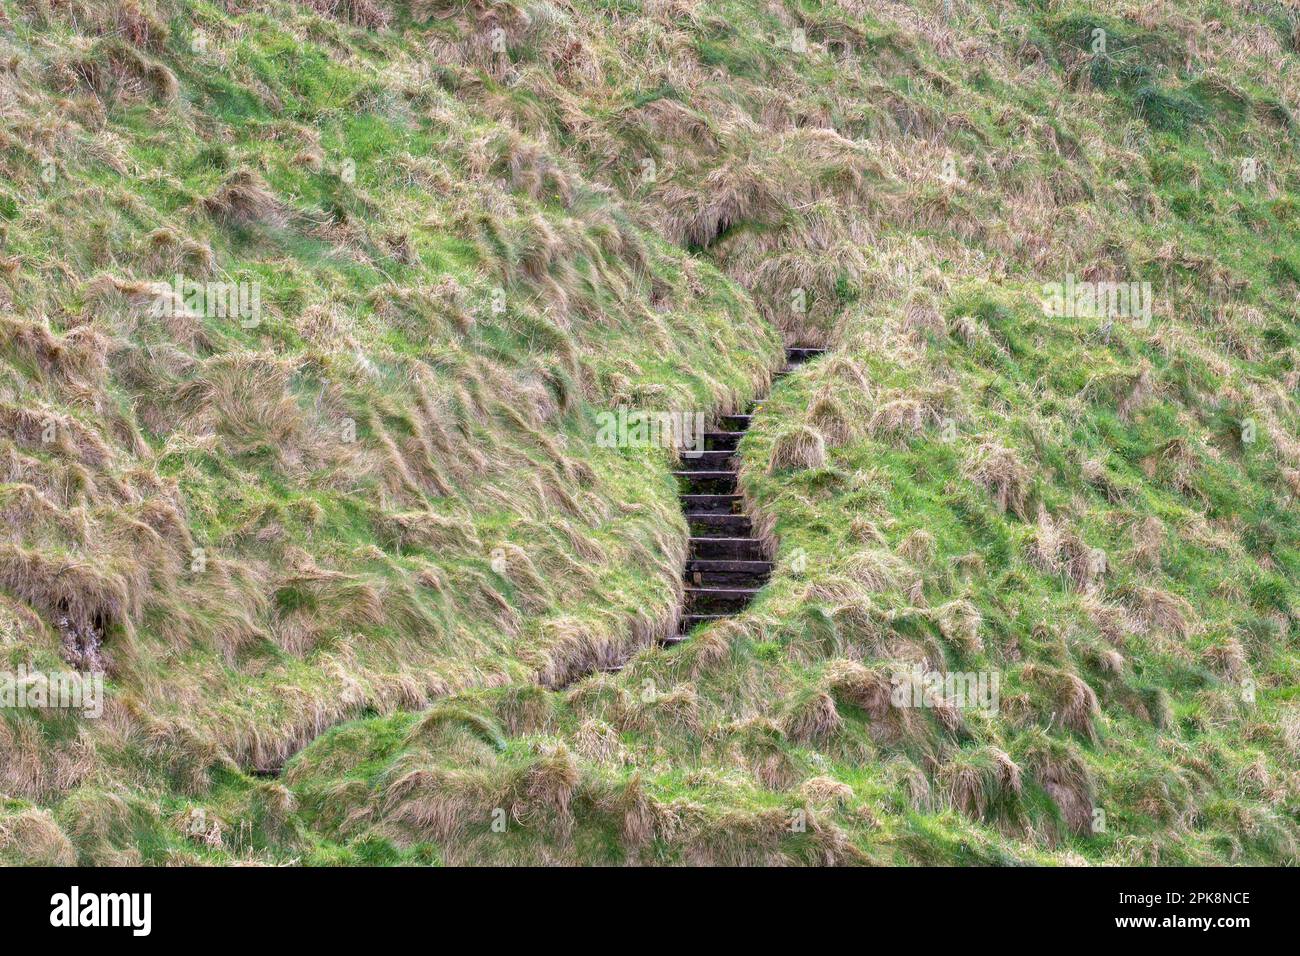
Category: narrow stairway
[726,564]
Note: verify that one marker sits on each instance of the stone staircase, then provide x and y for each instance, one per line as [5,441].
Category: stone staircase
[726,565]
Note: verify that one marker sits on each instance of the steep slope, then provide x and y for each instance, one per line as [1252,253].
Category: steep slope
[475,225]
[353,471]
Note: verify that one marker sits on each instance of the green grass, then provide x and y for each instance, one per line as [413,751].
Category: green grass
[356,680]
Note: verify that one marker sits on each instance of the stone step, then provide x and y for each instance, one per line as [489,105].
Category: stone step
[701,600]
[719,460]
[728,549]
[721,594]
[708,482]
[730,526]
[728,566]
[723,579]
[710,504]
[722,441]
[738,422]
[704,474]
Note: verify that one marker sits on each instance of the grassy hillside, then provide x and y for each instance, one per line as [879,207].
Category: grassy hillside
[348,558]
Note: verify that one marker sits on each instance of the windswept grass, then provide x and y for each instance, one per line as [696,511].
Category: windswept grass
[356,567]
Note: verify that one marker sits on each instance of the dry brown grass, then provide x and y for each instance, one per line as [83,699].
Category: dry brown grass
[812,718]
[111,68]
[1000,471]
[971,787]
[959,622]
[802,447]
[1160,610]
[32,838]
[736,192]
[918,547]
[1060,771]
[362,13]
[244,199]
[1073,701]
[826,790]
[832,420]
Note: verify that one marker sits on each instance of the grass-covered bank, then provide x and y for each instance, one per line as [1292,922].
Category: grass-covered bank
[376,522]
